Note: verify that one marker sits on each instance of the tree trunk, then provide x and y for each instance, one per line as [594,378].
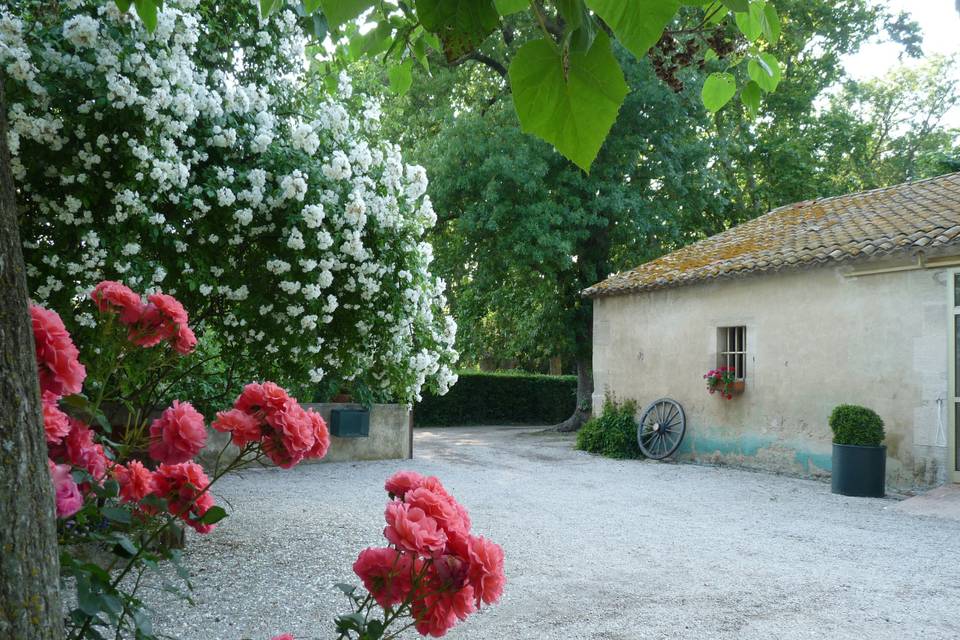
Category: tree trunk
[29,562]
[584,395]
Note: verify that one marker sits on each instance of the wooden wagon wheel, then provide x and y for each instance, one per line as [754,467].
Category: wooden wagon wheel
[661,428]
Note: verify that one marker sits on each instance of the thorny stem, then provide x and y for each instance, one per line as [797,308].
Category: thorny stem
[235,464]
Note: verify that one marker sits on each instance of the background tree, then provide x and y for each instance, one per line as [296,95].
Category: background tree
[518,237]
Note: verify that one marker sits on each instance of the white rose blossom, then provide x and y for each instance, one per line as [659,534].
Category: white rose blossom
[196,179]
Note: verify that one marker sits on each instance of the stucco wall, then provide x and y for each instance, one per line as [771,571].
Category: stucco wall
[390,436]
[815,339]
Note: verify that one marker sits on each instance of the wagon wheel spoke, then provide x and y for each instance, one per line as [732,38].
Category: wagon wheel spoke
[661,429]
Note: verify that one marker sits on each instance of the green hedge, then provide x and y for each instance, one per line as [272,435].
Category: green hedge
[500,398]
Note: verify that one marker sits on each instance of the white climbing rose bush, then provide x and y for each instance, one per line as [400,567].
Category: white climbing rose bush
[198,160]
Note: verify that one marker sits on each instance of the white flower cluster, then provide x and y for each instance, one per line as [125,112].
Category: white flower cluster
[143,157]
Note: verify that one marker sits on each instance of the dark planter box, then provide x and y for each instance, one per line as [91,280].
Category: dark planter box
[859,471]
[350,423]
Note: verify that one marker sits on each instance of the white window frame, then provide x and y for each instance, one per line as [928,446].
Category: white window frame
[732,349]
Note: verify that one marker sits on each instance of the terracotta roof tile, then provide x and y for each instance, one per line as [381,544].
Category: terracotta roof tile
[922,214]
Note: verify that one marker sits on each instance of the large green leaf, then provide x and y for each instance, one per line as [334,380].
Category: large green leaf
[341,11]
[765,71]
[717,90]
[506,7]
[461,24]
[638,24]
[750,22]
[750,97]
[401,77]
[573,111]
[770,23]
[737,5]
[147,10]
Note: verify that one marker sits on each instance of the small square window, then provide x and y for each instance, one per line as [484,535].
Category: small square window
[732,350]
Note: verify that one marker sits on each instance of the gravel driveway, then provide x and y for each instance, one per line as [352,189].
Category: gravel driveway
[595,548]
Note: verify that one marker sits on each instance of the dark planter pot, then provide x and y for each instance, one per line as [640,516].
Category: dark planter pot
[859,471]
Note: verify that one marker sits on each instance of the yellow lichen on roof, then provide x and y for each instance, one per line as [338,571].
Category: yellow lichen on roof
[909,216]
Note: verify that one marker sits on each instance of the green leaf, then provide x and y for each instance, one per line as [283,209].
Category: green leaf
[374,630]
[717,90]
[111,603]
[737,5]
[573,111]
[638,24]
[750,22]
[572,13]
[579,25]
[338,12]
[143,622]
[213,515]
[124,5]
[116,514]
[126,544]
[507,7]
[765,71]
[147,10]
[266,7]
[420,53]
[309,6]
[319,26]
[346,589]
[461,24]
[750,97]
[87,599]
[770,23]
[401,77]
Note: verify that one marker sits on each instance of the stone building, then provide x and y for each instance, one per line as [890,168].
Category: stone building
[852,299]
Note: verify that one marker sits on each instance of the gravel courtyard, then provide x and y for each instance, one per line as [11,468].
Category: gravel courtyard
[595,548]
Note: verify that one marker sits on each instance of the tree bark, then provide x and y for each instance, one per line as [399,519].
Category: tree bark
[584,396]
[29,561]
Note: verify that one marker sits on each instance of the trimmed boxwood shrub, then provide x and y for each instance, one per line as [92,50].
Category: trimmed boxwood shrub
[613,433]
[856,425]
[500,398]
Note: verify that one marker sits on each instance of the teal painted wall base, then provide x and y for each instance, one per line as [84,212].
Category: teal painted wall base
[719,446]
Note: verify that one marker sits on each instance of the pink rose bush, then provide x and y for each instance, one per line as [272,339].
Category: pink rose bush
[265,414]
[433,571]
[106,491]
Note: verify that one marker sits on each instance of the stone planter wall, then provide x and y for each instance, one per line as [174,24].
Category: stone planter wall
[390,436]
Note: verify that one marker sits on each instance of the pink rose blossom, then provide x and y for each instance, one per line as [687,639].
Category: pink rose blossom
[321,436]
[439,506]
[486,569]
[57,357]
[160,320]
[294,426]
[67,493]
[411,529]
[275,449]
[386,574]
[185,341]
[402,481]
[242,427]
[79,449]
[113,296]
[178,434]
[56,423]
[439,608]
[183,487]
[136,481]
[283,636]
